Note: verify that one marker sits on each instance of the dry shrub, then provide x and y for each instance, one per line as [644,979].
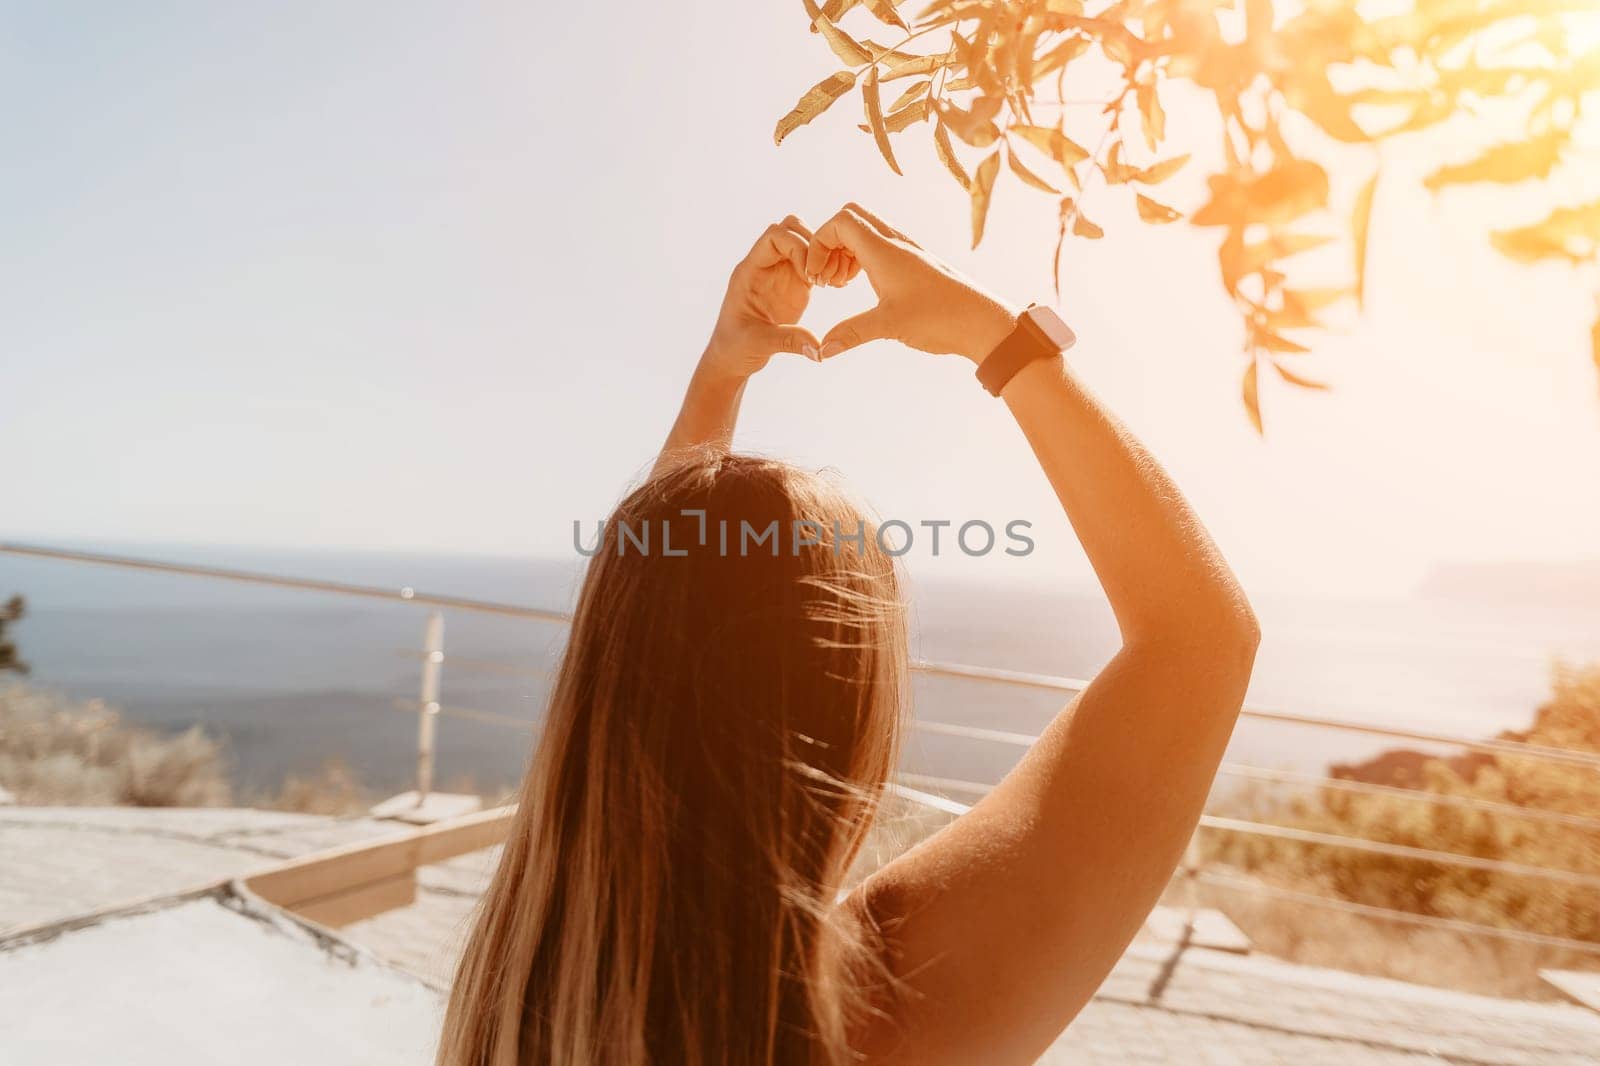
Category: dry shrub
[333,789]
[1571,719]
[60,752]
[900,825]
[1314,936]
[54,751]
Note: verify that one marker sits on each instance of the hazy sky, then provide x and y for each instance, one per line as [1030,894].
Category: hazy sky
[432,276]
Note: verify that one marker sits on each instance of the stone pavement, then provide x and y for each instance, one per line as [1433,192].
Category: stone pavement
[58,862]
[215,978]
[1161,1005]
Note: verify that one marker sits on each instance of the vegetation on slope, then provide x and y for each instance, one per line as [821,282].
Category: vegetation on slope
[1508,900]
[59,752]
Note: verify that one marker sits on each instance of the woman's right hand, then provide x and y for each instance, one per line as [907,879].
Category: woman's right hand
[922,302]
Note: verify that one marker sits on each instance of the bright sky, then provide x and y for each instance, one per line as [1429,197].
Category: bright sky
[432,276]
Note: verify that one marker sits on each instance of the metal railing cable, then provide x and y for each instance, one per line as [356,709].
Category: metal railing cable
[1437,799]
[406,594]
[1339,784]
[1510,748]
[1388,914]
[1209,822]
[469,714]
[911,785]
[1245,884]
[944,784]
[403,594]
[498,667]
[1245,827]
[1398,851]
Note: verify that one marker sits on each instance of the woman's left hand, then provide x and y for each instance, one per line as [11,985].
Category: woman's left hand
[766,296]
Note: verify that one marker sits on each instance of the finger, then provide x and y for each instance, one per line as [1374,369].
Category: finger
[778,245]
[826,272]
[781,240]
[879,224]
[871,324]
[830,274]
[796,340]
[798,274]
[817,253]
[848,231]
[798,229]
[849,267]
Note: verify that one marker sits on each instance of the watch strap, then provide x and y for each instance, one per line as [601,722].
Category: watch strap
[1023,345]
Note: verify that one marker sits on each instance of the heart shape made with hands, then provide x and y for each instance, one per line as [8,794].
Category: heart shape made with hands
[774,286]
[833,304]
[920,301]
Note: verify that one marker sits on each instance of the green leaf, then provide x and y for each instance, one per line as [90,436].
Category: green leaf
[1152,116]
[1258,20]
[1290,316]
[1028,176]
[1272,342]
[883,11]
[1360,223]
[1309,301]
[886,53]
[1569,233]
[1156,173]
[1114,170]
[974,127]
[908,116]
[850,51]
[947,156]
[869,98]
[1287,191]
[1053,143]
[1252,402]
[1313,96]
[942,12]
[1151,211]
[917,66]
[1060,56]
[1504,164]
[1081,226]
[816,100]
[1230,257]
[1061,241]
[1295,379]
[917,91]
[1257,255]
[1594,341]
[1527,246]
[982,190]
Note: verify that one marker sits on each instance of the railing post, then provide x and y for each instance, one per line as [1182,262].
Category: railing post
[428,702]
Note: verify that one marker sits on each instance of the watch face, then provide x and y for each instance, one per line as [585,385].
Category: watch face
[1050,326]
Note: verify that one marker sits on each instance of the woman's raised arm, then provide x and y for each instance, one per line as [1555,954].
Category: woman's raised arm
[766,295]
[1002,926]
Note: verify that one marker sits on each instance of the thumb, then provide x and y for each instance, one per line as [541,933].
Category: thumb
[796,340]
[870,325]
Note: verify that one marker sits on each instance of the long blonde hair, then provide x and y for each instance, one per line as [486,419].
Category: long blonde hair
[716,742]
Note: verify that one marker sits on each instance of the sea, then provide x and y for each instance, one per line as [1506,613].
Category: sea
[288,679]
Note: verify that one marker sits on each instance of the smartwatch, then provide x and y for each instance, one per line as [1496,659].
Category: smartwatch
[1040,334]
